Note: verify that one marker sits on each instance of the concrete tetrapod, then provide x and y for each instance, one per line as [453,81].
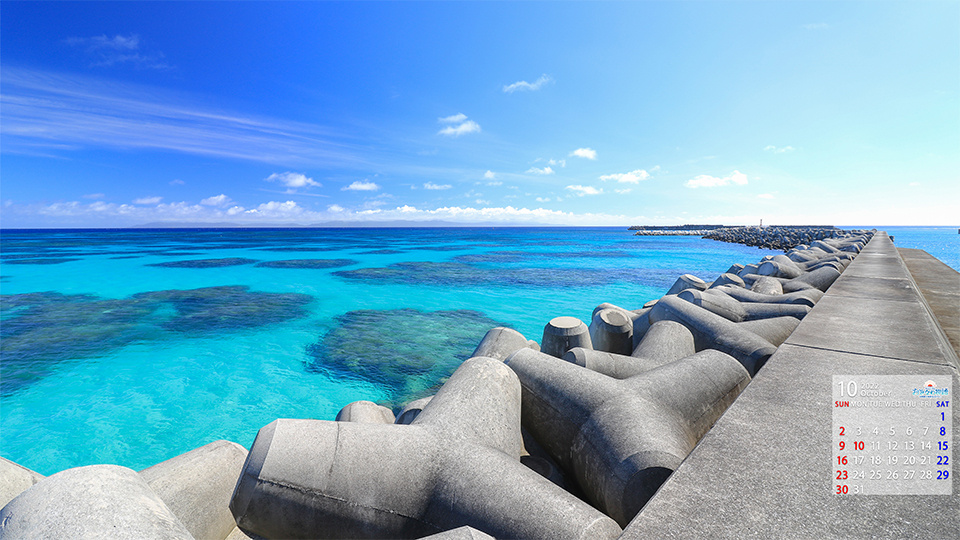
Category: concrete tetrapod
[501,342]
[711,331]
[611,330]
[98,501]
[621,439]
[687,281]
[412,410]
[460,533]
[665,342]
[807,297]
[14,480]
[564,333]
[736,311]
[457,464]
[365,412]
[197,486]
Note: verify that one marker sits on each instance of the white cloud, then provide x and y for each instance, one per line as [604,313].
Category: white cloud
[104,52]
[560,162]
[219,200]
[454,119]
[455,131]
[431,185]
[42,108]
[584,190]
[94,196]
[525,86]
[148,200]
[489,175]
[361,186]
[177,182]
[335,208]
[632,177]
[623,191]
[704,180]
[497,183]
[775,150]
[481,201]
[656,168]
[543,171]
[765,196]
[277,209]
[587,153]
[542,199]
[292,180]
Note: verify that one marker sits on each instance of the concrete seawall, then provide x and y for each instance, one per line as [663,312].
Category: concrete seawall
[764,469]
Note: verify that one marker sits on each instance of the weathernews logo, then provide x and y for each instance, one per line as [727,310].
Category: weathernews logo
[930,389]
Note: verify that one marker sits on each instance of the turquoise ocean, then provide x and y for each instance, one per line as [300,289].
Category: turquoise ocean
[133,346]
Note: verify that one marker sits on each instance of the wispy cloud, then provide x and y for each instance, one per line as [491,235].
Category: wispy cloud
[361,186]
[40,108]
[584,190]
[765,196]
[632,177]
[460,129]
[94,196]
[704,180]
[525,86]
[489,175]
[587,153]
[104,51]
[623,191]
[815,26]
[453,119]
[148,200]
[218,200]
[560,162]
[775,150]
[177,182]
[431,185]
[543,171]
[292,180]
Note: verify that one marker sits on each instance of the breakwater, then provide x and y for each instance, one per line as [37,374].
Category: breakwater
[672,230]
[645,382]
[776,237]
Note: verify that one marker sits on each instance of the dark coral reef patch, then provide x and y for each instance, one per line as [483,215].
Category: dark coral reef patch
[408,352]
[40,330]
[460,274]
[312,264]
[205,263]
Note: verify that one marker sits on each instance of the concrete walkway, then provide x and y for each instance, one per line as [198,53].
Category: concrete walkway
[765,469]
[940,287]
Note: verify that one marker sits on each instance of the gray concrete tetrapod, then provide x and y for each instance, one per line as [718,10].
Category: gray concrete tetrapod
[501,342]
[457,464]
[412,410]
[687,281]
[665,342]
[767,285]
[807,297]
[727,279]
[14,480]
[564,333]
[460,533]
[611,330]
[736,311]
[365,412]
[711,331]
[621,439]
[821,278]
[197,487]
[98,501]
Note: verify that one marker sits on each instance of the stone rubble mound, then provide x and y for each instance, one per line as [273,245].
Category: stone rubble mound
[568,438]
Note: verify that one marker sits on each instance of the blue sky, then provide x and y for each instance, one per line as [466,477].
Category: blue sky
[124,113]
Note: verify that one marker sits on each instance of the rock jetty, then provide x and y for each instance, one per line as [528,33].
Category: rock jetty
[776,237]
[673,230]
[568,438]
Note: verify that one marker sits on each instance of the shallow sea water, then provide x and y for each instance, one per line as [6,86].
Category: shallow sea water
[134,346]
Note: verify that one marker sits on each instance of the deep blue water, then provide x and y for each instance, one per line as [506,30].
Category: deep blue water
[134,346]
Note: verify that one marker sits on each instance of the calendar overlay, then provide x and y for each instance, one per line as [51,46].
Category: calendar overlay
[892,435]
